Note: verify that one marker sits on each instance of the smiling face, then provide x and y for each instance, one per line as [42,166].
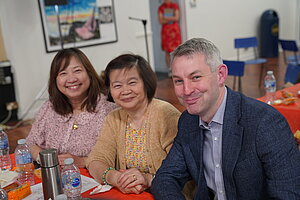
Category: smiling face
[127,89]
[198,88]
[73,81]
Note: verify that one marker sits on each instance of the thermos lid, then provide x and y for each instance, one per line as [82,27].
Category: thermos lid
[49,158]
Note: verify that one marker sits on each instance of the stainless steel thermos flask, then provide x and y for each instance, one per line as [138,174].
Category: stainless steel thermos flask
[51,178]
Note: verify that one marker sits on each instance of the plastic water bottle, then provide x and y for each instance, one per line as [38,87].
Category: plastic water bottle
[3,194]
[5,162]
[24,163]
[270,87]
[71,179]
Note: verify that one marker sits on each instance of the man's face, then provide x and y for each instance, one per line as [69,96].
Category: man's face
[196,86]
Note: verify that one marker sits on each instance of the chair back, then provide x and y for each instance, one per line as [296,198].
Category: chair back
[249,42]
[235,68]
[245,42]
[289,45]
[292,74]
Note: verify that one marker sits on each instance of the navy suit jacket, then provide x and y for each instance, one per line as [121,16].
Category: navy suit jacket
[260,159]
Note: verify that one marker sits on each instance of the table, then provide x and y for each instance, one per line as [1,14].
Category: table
[292,111]
[113,194]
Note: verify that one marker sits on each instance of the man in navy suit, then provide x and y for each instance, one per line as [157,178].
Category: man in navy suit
[232,146]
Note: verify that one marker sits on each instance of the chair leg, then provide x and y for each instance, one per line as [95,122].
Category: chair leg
[234,82]
[261,74]
[240,84]
[285,57]
[296,59]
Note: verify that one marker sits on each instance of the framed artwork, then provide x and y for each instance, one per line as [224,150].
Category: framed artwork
[77,23]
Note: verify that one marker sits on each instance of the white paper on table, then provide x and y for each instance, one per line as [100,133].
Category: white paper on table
[37,190]
[88,183]
[100,189]
[7,178]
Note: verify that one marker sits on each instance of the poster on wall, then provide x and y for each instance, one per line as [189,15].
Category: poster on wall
[77,23]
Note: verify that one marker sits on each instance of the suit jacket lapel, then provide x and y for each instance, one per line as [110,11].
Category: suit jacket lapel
[194,140]
[195,143]
[232,136]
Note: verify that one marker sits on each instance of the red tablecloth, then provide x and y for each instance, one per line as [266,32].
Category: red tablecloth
[113,194]
[292,111]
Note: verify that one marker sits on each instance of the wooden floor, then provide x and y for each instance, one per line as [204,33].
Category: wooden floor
[250,87]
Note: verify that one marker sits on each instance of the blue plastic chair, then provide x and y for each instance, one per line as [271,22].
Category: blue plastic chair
[250,42]
[290,45]
[235,69]
[292,74]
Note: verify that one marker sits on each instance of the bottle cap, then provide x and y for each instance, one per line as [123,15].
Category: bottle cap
[21,141]
[270,72]
[49,158]
[69,161]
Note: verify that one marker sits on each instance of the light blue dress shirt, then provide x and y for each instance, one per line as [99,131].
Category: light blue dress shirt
[212,151]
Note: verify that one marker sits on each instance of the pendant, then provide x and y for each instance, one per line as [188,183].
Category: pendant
[75,126]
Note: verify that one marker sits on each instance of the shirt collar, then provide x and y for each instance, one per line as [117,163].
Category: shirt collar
[219,116]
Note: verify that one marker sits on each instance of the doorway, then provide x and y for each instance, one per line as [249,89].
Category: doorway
[159,65]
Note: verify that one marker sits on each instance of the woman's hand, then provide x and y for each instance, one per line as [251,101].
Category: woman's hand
[97,168]
[35,150]
[134,178]
[114,175]
[78,161]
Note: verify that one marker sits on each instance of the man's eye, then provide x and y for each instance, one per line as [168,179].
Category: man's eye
[177,82]
[195,78]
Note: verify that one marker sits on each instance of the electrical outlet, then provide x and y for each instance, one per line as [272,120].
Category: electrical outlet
[11,105]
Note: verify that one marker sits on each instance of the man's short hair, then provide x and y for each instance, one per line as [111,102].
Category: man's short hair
[202,46]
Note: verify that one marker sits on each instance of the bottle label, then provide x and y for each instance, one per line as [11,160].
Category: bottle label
[4,143]
[269,84]
[75,182]
[24,158]
[71,181]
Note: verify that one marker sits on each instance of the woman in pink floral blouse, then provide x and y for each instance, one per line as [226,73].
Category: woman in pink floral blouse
[71,119]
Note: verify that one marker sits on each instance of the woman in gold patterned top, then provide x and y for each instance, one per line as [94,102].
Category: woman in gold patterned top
[136,137]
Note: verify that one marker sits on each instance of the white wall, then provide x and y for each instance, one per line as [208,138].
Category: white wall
[222,21]
[218,21]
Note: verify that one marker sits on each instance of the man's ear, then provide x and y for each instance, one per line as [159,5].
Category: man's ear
[222,74]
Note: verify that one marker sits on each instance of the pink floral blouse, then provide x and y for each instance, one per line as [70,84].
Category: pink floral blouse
[51,130]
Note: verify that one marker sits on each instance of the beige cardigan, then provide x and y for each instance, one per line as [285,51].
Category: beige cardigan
[162,129]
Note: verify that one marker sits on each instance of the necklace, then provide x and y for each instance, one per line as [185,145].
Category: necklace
[75,124]
[75,116]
